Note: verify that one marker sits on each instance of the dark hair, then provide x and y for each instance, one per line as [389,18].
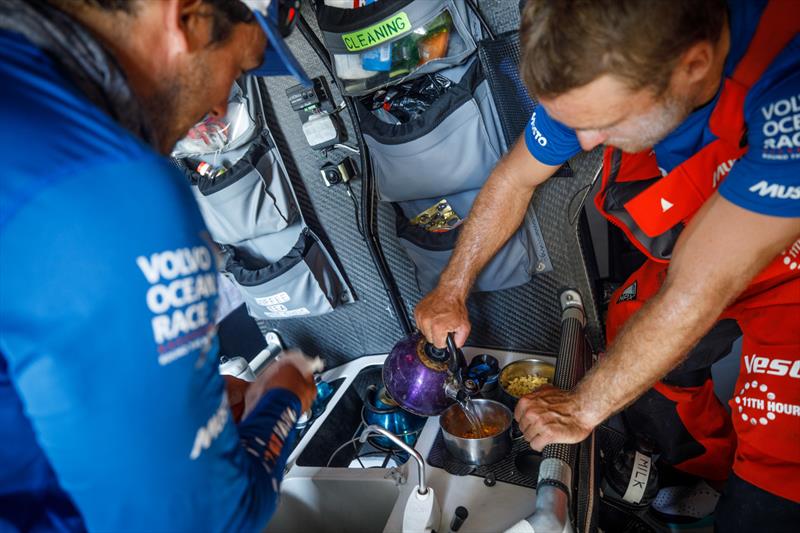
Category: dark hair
[226,14]
[569,43]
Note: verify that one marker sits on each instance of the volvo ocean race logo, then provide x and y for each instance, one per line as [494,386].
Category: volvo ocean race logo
[782,129]
[181,283]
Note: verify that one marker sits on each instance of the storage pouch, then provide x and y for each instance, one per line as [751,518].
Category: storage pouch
[305,282]
[388,42]
[449,149]
[249,200]
[430,252]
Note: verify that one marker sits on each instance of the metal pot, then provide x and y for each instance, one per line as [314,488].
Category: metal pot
[382,411]
[486,450]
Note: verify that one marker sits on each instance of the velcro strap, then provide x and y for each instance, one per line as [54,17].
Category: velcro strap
[664,204]
[678,195]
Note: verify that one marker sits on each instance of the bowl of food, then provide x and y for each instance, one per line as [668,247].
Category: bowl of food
[523,377]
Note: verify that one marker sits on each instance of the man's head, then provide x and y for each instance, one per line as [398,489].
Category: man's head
[180,56]
[623,72]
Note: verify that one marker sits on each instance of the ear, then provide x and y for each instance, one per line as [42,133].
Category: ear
[187,23]
[695,64]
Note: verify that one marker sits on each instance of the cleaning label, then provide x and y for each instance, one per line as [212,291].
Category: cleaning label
[396,25]
[379,59]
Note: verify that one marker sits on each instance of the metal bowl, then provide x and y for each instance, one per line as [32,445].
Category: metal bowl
[523,367]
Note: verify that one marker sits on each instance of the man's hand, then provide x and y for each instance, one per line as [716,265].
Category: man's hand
[236,389]
[551,415]
[292,372]
[439,314]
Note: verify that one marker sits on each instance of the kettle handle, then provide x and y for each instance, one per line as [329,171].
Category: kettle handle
[453,361]
[451,344]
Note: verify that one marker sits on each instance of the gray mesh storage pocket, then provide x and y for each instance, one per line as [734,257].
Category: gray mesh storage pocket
[249,200]
[303,283]
[430,252]
[449,149]
[385,42]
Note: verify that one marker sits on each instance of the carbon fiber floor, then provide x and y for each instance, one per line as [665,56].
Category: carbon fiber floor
[525,318]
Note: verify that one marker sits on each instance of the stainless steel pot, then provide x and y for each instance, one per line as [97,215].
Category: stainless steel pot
[483,451]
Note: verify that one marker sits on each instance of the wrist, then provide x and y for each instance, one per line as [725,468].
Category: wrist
[272,399]
[453,288]
[589,413]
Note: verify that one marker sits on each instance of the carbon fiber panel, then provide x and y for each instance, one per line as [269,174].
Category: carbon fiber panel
[367,326]
[525,318]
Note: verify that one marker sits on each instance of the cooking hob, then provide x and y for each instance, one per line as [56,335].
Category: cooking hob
[519,467]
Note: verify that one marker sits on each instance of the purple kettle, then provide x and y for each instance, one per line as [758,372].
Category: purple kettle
[423,379]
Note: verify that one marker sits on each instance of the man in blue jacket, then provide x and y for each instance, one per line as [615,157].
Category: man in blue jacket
[112,413]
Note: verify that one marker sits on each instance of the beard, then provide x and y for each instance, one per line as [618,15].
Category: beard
[176,105]
[649,129]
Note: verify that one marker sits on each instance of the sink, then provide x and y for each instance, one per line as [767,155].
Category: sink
[334,505]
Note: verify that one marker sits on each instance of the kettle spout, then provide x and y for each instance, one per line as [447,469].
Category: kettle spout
[455,391]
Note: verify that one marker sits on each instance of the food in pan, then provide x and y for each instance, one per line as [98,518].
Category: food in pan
[521,385]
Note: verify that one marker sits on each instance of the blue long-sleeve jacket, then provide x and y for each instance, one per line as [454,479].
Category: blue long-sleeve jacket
[112,414]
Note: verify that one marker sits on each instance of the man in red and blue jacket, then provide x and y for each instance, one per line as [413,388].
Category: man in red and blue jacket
[698,104]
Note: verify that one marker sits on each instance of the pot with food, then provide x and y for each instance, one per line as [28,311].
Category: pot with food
[485,444]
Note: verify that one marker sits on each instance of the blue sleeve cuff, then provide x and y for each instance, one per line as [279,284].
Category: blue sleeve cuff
[272,404]
[551,143]
[788,207]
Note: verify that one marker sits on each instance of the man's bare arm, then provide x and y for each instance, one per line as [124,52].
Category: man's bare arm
[717,255]
[507,192]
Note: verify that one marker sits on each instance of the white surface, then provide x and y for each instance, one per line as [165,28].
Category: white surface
[422,513]
[309,491]
[335,504]
[522,526]
[238,368]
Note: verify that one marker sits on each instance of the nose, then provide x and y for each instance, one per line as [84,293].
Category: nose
[588,139]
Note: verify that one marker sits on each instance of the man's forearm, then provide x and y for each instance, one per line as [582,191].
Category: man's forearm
[496,214]
[701,283]
[653,342]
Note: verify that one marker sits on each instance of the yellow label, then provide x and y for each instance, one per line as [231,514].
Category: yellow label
[397,24]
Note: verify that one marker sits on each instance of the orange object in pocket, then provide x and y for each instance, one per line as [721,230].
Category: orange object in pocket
[433,47]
